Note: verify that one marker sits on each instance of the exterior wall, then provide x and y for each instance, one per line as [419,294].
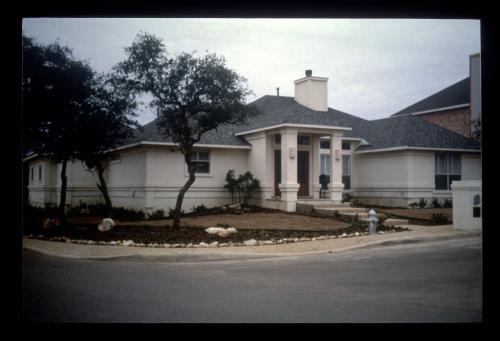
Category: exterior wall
[42,192]
[457,120]
[463,204]
[260,161]
[396,179]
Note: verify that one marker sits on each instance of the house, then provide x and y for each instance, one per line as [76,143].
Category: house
[386,162]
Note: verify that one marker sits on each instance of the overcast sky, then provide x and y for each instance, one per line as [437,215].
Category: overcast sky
[375,67]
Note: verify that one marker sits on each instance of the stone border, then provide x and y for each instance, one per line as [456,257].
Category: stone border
[250,242]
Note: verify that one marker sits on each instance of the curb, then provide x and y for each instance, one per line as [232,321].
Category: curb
[180,256]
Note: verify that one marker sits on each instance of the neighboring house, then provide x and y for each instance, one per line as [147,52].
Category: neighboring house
[456,106]
[387,162]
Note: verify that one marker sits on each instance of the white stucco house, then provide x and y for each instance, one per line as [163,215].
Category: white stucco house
[387,162]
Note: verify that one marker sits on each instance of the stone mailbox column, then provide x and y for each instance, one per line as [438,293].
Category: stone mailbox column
[289,186]
[336,184]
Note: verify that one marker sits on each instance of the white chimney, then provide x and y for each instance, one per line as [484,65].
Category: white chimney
[312,92]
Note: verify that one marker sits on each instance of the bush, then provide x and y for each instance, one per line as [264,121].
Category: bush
[223,225]
[422,203]
[435,203]
[447,203]
[157,215]
[171,213]
[200,209]
[439,218]
[245,186]
[413,204]
[121,213]
[346,197]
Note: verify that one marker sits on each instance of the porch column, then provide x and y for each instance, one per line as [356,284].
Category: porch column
[316,170]
[289,186]
[336,184]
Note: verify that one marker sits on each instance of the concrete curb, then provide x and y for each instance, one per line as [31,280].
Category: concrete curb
[204,255]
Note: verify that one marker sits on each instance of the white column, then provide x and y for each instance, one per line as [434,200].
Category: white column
[289,186]
[336,184]
[316,170]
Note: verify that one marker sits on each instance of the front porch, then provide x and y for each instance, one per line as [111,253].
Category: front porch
[290,159]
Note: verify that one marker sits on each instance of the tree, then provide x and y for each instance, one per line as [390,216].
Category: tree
[191,96]
[56,89]
[107,124]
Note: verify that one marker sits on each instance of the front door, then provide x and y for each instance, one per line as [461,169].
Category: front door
[277,172]
[303,172]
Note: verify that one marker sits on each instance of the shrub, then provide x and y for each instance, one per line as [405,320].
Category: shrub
[157,215]
[447,203]
[413,204]
[439,218]
[245,186]
[223,225]
[435,203]
[422,203]
[200,209]
[172,211]
[122,213]
[346,197]
[355,203]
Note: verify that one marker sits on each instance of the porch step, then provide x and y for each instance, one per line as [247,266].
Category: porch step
[396,222]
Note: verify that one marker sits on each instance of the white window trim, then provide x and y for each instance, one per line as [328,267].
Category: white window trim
[444,191]
[202,175]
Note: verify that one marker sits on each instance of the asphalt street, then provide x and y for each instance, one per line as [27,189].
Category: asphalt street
[425,282]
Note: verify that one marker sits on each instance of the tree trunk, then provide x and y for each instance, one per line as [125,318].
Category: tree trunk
[62,202]
[182,192]
[104,190]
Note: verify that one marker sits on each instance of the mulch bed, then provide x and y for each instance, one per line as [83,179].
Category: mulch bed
[186,235]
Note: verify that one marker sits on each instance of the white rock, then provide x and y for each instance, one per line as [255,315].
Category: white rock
[267,242]
[92,242]
[223,244]
[112,243]
[231,230]
[175,245]
[304,239]
[214,244]
[128,243]
[221,231]
[167,245]
[356,234]
[106,225]
[250,242]
[203,244]
[189,245]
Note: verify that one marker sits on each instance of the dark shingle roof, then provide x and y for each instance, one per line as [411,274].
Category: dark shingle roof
[404,130]
[456,94]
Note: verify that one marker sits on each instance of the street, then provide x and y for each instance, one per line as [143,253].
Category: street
[425,282]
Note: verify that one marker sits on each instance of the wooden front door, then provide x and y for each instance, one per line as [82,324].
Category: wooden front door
[277,172]
[303,172]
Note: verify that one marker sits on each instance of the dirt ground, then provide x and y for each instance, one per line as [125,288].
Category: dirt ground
[419,213]
[268,221]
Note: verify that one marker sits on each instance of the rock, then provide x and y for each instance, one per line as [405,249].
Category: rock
[189,245]
[381,232]
[250,242]
[176,245]
[220,231]
[106,225]
[128,243]
[267,242]
[167,245]
[91,242]
[214,244]
[112,243]
[203,244]
[356,234]
[223,244]
[343,235]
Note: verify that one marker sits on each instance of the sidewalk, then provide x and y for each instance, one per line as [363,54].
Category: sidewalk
[416,234]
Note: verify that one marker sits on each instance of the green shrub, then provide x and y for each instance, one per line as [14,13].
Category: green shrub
[413,204]
[157,215]
[172,211]
[245,186]
[447,203]
[422,203]
[435,203]
[121,213]
[439,218]
[346,197]
[200,209]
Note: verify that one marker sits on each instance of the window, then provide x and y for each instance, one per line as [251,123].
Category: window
[325,164]
[447,168]
[346,171]
[201,161]
[277,138]
[303,140]
[39,172]
[324,144]
[346,145]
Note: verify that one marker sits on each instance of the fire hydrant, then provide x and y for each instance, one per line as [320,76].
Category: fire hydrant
[373,221]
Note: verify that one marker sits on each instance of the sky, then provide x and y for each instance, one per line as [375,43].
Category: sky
[375,67]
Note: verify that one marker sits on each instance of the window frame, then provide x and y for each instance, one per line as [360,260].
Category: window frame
[448,173]
[209,161]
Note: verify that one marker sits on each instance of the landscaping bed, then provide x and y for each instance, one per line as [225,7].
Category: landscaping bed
[421,216]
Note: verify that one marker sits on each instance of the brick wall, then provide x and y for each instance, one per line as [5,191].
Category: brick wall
[457,120]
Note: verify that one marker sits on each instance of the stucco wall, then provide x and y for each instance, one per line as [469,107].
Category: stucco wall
[463,204]
[399,178]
